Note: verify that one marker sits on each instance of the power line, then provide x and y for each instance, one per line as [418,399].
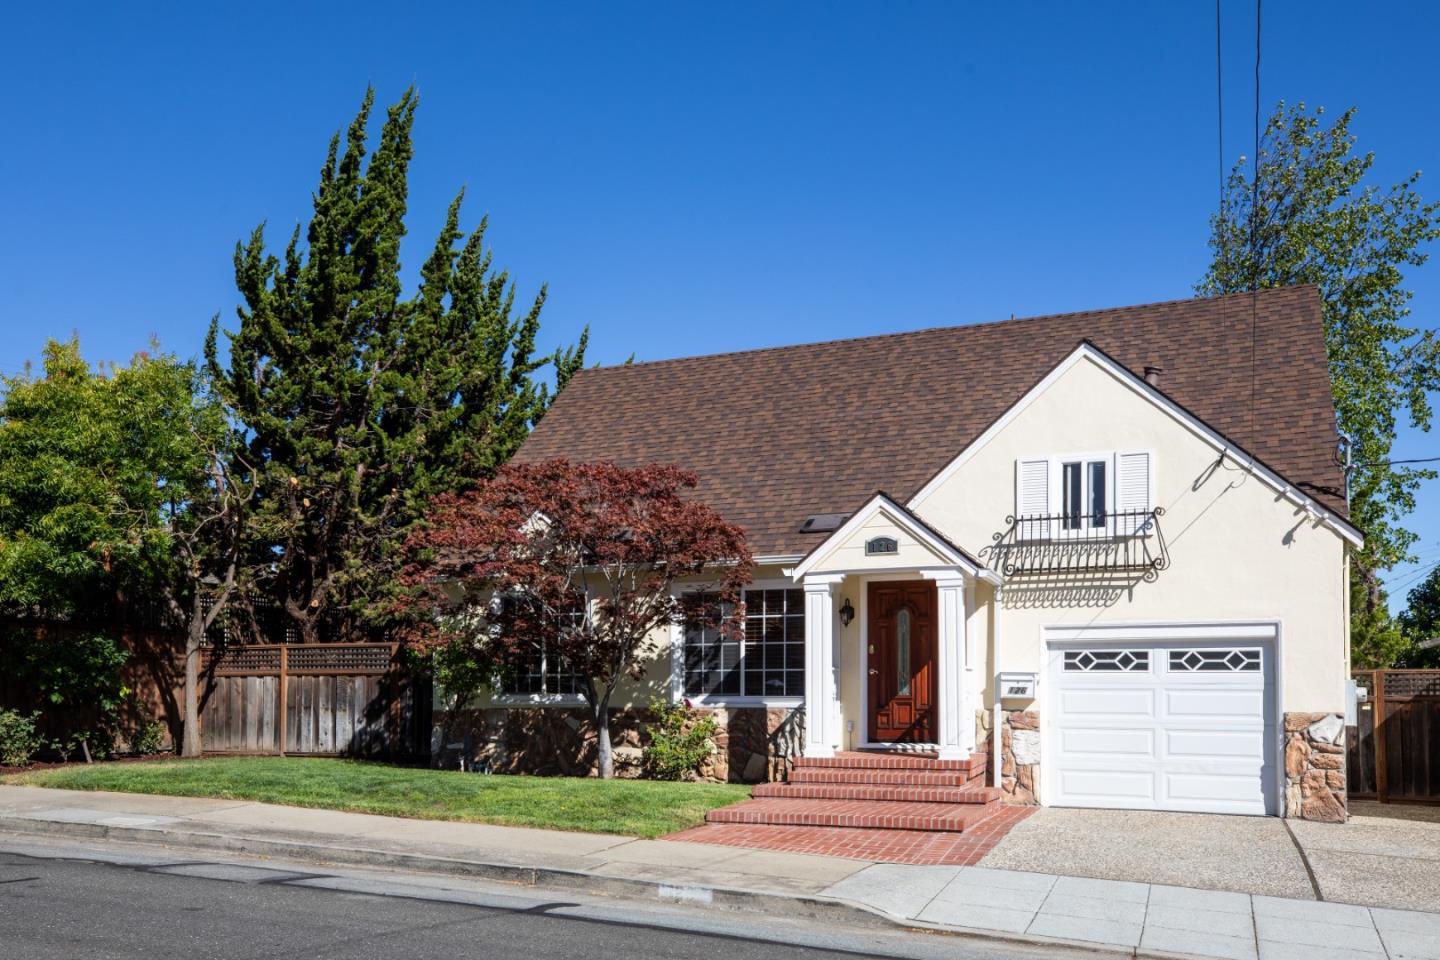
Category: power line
[1422,558]
[1220,116]
[1388,463]
[1410,579]
[1254,228]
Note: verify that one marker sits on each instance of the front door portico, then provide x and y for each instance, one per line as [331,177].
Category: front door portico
[914,590]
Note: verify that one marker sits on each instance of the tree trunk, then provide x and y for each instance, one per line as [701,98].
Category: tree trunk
[190,745]
[601,715]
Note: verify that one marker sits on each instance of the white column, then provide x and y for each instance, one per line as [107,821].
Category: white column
[822,722]
[952,739]
[970,689]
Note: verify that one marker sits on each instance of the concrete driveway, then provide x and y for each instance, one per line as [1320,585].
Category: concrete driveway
[1385,856]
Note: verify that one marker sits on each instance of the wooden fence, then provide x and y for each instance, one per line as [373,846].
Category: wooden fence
[1394,751]
[328,699]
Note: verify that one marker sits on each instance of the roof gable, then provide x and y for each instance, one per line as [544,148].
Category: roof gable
[1087,352]
[779,434]
[916,544]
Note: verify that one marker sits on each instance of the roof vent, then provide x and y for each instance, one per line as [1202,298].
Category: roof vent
[1152,375]
[824,522]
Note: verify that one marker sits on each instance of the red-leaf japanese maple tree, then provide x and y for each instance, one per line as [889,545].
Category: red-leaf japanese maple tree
[580,560]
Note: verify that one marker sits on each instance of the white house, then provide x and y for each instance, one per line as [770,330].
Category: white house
[1135,517]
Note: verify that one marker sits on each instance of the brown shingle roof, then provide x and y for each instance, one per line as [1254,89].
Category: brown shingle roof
[778,434]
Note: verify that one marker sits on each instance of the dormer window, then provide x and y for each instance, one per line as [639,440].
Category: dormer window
[879,546]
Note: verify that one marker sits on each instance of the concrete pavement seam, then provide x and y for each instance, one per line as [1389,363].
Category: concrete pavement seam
[1304,860]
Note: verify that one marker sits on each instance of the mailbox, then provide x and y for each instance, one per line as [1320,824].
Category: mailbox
[1017,686]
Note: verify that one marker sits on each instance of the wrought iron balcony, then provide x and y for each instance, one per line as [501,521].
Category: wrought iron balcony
[1127,542]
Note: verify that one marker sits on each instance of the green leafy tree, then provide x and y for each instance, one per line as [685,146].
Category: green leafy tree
[1377,640]
[114,493]
[1421,623]
[1315,219]
[358,403]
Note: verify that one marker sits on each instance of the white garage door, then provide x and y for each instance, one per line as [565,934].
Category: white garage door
[1162,725]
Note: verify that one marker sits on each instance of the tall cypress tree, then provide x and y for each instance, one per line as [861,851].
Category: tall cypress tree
[358,403]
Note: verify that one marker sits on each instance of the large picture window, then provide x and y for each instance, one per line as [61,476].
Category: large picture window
[543,672]
[767,659]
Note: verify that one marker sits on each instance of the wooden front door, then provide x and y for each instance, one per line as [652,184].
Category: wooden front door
[901,661]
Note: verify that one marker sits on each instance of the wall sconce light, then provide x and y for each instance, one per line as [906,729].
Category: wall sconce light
[847,613]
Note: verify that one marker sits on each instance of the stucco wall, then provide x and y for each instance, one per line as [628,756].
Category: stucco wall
[1237,550]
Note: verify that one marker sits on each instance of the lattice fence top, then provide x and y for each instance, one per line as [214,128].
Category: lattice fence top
[316,658]
[1408,683]
[247,661]
[340,658]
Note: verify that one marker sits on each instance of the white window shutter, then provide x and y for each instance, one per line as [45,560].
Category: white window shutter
[1132,490]
[1032,498]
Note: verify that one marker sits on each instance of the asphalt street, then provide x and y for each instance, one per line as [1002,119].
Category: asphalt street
[81,900]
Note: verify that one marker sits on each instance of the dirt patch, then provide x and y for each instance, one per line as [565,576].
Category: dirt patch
[57,765]
[1417,812]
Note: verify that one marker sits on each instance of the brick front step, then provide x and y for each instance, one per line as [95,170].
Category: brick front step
[893,778]
[865,760]
[902,793]
[859,814]
[888,846]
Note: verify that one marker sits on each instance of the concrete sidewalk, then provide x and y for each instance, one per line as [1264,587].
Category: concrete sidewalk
[1133,918]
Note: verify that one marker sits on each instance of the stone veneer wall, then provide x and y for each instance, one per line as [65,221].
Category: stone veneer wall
[1315,766]
[752,745]
[1019,753]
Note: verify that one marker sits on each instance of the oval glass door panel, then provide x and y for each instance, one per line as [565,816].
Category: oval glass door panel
[902,653]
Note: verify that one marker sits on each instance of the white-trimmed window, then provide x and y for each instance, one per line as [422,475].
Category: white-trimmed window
[1106,493]
[546,674]
[765,660]
[543,675]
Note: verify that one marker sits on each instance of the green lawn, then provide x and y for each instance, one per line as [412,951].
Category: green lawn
[645,808]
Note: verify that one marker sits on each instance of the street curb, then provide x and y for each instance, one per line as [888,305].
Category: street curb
[781,905]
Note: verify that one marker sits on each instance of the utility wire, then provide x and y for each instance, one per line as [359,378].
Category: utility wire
[1387,463]
[1254,228]
[1421,558]
[1410,579]
[1220,120]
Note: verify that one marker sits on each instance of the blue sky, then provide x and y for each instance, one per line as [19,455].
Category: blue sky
[687,177]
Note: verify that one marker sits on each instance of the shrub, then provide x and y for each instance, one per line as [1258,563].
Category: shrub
[77,678]
[86,744]
[18,739]
[681,737]
[148,738]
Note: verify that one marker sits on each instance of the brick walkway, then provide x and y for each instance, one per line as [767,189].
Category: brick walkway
[885,846]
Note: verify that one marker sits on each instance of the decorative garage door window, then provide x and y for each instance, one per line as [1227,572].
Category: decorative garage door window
[1107,661]
[1214,661]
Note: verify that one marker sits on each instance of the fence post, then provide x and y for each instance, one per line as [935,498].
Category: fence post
[280,707]
[1382,775]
